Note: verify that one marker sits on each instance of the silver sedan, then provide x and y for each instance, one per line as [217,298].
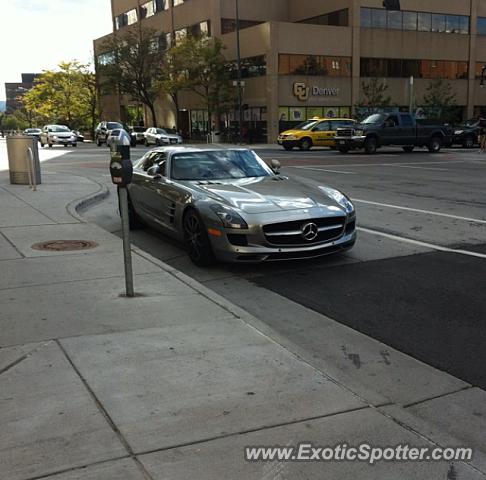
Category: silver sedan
[231,206]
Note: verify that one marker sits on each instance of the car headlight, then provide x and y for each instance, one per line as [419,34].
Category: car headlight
[458,132]
[340,198]
[359,133]
[229,217]
[54,137]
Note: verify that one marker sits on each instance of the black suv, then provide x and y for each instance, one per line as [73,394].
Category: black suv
[104,129]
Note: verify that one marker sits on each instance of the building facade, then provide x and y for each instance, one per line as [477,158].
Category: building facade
[310,57]
[15,91]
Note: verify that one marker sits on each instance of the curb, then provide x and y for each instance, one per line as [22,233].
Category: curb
[79,205]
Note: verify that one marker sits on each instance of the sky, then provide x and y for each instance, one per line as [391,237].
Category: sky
[36,35]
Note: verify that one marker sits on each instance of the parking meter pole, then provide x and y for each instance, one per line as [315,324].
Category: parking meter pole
[127,253]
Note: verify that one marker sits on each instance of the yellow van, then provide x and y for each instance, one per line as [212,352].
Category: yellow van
[316,132]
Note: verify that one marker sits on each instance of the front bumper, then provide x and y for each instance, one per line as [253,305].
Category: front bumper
[62,141]
[255,248]
[350,142]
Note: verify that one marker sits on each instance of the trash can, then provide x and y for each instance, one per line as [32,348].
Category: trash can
[23,160]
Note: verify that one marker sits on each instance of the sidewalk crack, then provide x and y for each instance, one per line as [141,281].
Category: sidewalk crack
[105,414]
[22,358]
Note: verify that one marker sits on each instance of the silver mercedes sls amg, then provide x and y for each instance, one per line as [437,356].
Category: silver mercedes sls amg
[229,205]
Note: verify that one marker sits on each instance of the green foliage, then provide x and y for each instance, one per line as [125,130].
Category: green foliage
[440,101]
[207,73]
[66,95]
[137,66]
[373,96]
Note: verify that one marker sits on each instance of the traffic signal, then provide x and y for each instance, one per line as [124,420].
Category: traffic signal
[391,4]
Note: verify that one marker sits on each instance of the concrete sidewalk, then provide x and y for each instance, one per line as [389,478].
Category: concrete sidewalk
[174,383]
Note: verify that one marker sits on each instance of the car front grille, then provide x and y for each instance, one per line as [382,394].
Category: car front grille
[344,132]
[293,233]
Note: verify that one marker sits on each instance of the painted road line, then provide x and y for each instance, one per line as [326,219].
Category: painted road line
[418,168]
[418,210]
[352,165]
[325,170]
[418,243]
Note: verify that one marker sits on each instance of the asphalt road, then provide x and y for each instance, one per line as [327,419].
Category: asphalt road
[414,280]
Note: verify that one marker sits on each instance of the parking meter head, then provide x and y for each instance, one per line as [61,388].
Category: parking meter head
[121,170]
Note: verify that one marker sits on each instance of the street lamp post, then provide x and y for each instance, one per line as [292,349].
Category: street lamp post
[238,56]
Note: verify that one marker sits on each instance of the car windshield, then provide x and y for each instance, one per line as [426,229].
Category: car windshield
[113,125]
[307,125]
[58,128]
[375,118]
[470,123]
[161,131]
[218,165]
[139,129]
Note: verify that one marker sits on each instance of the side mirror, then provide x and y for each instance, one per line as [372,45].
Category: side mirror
[275,166]
[155,171]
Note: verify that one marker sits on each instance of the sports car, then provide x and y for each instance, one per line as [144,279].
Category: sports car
[229,205]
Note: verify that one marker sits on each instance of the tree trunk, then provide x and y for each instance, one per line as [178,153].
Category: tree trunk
[152,111]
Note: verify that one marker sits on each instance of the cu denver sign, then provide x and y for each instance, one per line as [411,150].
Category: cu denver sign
[302,91]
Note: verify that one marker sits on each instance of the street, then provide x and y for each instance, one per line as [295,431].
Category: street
[413,281]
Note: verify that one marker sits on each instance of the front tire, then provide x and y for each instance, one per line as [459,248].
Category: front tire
[408,149]
[288,147]
[305,144]
[197,240]
[435,145]
[344,149]
[371,146]
[50,145]
[75,145]
[98,142]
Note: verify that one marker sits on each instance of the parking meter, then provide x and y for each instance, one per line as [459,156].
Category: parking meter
[121,169]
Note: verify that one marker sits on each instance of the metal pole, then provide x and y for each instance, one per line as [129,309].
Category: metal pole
[127,252]
[238,56]
[410,108]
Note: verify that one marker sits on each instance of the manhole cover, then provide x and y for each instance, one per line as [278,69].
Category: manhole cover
[64,245]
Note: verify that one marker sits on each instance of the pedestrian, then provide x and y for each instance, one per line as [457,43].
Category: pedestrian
[482,135]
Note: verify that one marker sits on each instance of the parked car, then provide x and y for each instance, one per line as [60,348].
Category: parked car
[103,131]
[160,136]
[114,138]
[231,206]
[381,129]
[79,135]
[57,135]
[33,132]
[317,132]
[139,133]
[467,134]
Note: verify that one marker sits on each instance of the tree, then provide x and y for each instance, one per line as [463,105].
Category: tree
[136,65]
[440,101]
[64,95]
[174,77]
[374,97]
[207,72]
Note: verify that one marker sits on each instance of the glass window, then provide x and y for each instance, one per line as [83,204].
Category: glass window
[407,121]
[481,25]
[161,5]
[394,20]
[464,25]
[438,22]
[378,18]
[147,9]
[313,65]
[132,16]
[410,21]
[228,25]
[453,23]
[366,17]
[322,127]
[338,18]
[424,22]
[394,68]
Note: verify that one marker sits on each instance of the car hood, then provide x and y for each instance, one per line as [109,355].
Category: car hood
[167,135]
[61,134]
[268,194]
[294,132]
